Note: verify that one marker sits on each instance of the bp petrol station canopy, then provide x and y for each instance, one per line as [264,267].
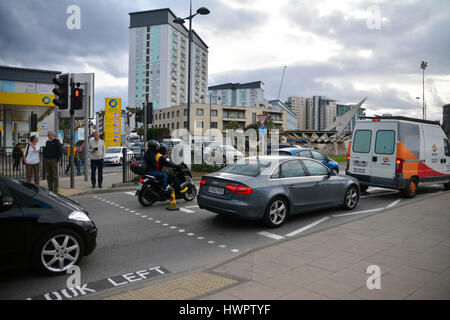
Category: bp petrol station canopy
[23,91]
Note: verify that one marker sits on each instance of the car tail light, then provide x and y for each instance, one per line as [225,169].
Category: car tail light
[239,189]
[398,166]
[141,180]
[348,162]
[376,120]
[202,182]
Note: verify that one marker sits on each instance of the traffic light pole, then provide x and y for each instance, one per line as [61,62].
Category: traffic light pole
[72,137]
[145,125]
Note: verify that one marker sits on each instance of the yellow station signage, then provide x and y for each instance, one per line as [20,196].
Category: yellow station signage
[113,121]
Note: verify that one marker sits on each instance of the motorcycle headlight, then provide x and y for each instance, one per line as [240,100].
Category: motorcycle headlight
[79,216]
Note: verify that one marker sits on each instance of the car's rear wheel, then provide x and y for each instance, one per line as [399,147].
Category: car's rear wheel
[57,251]
[411,190]
[276,212]
[351,198]
[447,186]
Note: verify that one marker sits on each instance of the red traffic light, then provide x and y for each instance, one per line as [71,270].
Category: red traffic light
[77,93]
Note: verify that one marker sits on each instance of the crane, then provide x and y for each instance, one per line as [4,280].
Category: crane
[281,83]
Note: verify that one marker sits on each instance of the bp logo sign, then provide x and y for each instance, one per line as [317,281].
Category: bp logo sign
[113,103]
[46,100]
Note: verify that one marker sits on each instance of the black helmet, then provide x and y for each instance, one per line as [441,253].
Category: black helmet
[153,144]
[162,149]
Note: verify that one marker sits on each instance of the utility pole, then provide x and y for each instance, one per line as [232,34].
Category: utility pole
[423,66]
[281,83]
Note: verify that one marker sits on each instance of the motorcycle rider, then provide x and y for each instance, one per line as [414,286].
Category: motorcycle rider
[151,158]
[163,161]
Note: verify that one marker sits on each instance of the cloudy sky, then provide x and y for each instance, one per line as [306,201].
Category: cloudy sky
[345,50]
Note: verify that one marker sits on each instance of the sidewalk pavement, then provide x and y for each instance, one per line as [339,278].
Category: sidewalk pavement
[410,244]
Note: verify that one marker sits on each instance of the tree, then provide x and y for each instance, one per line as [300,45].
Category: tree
[232,125]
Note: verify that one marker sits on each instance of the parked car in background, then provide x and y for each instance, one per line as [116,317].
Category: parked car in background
[222,154]
[170,143]
[46,230]
[114,155]
[312,154]
[272,187]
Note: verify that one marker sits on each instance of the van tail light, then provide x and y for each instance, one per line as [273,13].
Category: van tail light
[239,189]
[348,162]
[202,182]
[398,166]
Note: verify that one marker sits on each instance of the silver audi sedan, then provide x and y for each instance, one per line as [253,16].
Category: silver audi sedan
[272,187]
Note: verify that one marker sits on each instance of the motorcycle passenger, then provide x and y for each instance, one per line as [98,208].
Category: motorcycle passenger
[151,159]
[163,161]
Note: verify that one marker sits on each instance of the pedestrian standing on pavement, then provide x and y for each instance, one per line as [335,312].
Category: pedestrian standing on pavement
[97,153]
[79,156]
[17,156]
[52,154]
[31,160]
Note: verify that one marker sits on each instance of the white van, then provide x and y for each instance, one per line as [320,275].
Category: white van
[398,153]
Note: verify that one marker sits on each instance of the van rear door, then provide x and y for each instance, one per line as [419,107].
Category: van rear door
[360,153]
[384,150]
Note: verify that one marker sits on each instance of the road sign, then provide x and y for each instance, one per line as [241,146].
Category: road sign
[113,121]
[262,131]
[262,118]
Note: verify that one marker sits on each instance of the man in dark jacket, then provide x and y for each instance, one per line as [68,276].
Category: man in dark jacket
[151,160]
[17,155]
[163,161]
[52,154]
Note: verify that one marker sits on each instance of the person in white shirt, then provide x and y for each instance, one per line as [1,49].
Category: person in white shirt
[96,154]
[31,159]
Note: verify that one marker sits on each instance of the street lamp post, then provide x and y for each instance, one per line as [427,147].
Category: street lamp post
[202,11]
[423,66]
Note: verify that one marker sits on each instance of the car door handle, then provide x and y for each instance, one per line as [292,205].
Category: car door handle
[291,186]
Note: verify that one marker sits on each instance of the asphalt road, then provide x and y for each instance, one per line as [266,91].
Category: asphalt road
[133,238]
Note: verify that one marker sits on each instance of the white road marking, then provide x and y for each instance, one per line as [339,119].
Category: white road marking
[393,204]
[173,227]
[131,193]
[126,209]
[211,242]
[200,238]
[378,194]
[181,230]
[165,224]
[222,246]
[142,216]
[234,250]
[191,234]
[132,211]
[357,212]
[270,235]
[150,219]
[309,226]
[157,221]
[187,210]
[192,206]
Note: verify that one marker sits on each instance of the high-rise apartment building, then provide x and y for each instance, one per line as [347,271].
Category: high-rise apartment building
[298,106]
[238,94]
[158,61]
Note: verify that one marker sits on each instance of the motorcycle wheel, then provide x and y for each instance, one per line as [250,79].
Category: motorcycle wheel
[191,193]
[143,200]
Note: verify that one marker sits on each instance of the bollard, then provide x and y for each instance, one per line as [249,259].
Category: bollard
[172,204]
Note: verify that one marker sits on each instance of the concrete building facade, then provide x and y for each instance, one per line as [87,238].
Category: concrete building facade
[291,117]
[158,61]
[298,106]
[221,116]
[238,94]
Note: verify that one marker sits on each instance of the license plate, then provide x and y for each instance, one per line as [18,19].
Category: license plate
[139,186]
[216,190]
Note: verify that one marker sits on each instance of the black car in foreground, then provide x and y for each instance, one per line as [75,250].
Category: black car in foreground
[42,229]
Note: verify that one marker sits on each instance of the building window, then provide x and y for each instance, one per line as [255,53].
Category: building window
[178,113]
[214,113]
[213,125]
[185,112]
[199,112]
[185,124]
[199,124]
[164,115]
[178,125]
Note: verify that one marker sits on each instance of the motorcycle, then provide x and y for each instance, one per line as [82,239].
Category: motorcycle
[149,189]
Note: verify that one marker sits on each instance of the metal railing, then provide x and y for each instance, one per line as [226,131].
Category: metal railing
[11,164]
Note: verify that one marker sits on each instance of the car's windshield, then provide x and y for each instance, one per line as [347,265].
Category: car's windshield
[248,167]
[114,150]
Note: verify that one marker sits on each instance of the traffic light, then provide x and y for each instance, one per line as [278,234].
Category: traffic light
[150,112]
[61,92]
[140,116]
[33,122]
[76,101]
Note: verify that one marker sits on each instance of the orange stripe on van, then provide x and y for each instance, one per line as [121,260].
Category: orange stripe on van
[409,168]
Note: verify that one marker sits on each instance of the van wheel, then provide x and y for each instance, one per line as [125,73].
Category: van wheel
[411,189]
[351,198]
[276,212]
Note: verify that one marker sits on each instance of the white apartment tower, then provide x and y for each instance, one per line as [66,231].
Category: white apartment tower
[298,106]
[158,61]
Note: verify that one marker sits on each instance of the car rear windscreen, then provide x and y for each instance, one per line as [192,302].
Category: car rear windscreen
[248,168]
[361,141]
